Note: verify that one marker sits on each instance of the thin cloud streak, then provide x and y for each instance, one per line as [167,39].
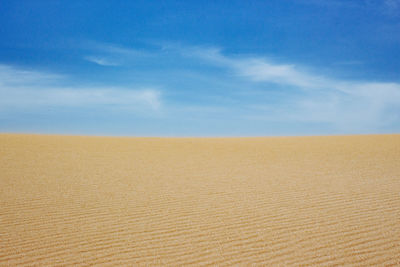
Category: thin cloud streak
[292,93]
[356,105]
[12,76]
[345,104]
[20,89]
[102,61]
[107,54]
[80,97]
[258,69]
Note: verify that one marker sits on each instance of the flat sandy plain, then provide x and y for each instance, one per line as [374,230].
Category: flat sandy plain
[196,201]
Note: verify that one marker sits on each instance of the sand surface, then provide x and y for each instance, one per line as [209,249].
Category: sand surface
[187,201]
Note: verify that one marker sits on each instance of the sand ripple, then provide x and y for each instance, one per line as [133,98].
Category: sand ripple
[218,201]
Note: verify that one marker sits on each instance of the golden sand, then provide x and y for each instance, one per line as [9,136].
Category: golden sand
[194,201]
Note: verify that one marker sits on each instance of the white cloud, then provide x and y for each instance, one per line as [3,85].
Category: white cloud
[29,89]
[113,49]
[81,97]
[106,54]
[349,105]
[259,69]
[263,71]
[102,61]
[12,76]
[345,104]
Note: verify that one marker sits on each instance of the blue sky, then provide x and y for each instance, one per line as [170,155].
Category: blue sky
[200,68]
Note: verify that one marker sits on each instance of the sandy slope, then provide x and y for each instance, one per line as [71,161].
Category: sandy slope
[289,201]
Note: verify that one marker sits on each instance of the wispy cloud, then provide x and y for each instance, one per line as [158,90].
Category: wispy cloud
[21,89]
[102,61]
[106,54]
[259,69]
[12,76]
[112,49]
[347,104]
[252,89]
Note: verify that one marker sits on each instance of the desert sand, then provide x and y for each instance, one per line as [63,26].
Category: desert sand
[71,200]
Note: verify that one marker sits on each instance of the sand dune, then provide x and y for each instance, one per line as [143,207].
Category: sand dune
[194,201]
